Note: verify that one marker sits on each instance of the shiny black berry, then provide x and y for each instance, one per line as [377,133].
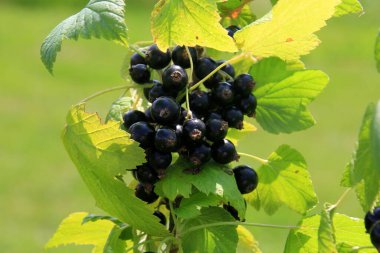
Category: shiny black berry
[244,84]
[224,152]
[148,196]
[174,78]
[223,93]
[204,67]
[181,57]
[161,216]
[232,30]
[199,101]
[159,160]
[234,117]
[228,69]
[248,105]
[371,218]
[234,213]
[246,178]
[146,174]
[375,236]
[214,115]
[166,140]
[137,59]
[133,116]
[165,110]
[143,133]
[200,154]
[216,129]
[157,91]
[157,59]
[194,130]
[139,73]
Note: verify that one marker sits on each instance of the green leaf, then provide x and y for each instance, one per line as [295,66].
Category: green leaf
[363,172]
[94,217]
[273,2]
[124,104]
[99,19]
[326,233]
[212,179]
[377,52]
[283,95]
[290,33]
[349,232]
[114,244]
[284,180]
[236,12]
[100,152]
[235,134]
[191,207]
[247,243]
[197,20]
[348,7]
[72,231]
[217,239]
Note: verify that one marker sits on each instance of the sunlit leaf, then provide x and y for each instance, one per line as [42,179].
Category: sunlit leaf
[348,7]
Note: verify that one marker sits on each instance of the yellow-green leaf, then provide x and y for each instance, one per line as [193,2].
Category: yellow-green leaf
[348,7]
[191,23]
[290,33]
[235,134]
[247,243]
[377,52]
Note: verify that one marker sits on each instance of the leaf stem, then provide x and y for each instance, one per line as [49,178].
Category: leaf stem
[189,113]
[173,215]
[137,50]
[341,198]
[107,91]
[263,161]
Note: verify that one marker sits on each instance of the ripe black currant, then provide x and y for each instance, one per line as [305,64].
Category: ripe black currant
[147,196]
[157,59]
[214,115]
[146,174]
[234,117]
[159,160]
[148,115]
[143,133]
[224,152]
[204,67]
[194,130]
[200,154]
[223,93]
[371,218]
[165,110]
[157,91]
[216,129]
[234,213]
[244,84]
[137,59]
[199,101]
[174,78]
[180,56]
[227,69]
[246,178]
[166,140]
[133,116]
[375,236]
[232,30]
[139,73]
[161,216]
[248,105]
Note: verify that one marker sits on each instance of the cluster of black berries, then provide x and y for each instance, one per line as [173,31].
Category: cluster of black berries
[197,135]
[372,225]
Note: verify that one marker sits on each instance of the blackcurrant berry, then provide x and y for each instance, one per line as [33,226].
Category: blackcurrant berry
[143,133]
[137,59]
[216,129]
[246,178]
[375,236]
[204,67]
[148,115]
[224,152]
[234,117]
[146,174]
[157,91]
[159,160]
[234,213]
[232,30]
[214,115]
[157,59]
[165,110]
[248,105]
[244,84]
[166,140]
[200,154]
[223,93]
[139,73]
[199,101]
[194,130]
[180,56]
[227,69]
[161,216]
[147,196]
[371,218]
[133,116]
[174,78]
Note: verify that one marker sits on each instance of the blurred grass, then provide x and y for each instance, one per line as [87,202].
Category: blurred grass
[39,185]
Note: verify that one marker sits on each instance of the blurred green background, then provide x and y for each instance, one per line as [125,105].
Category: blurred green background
[39,185]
